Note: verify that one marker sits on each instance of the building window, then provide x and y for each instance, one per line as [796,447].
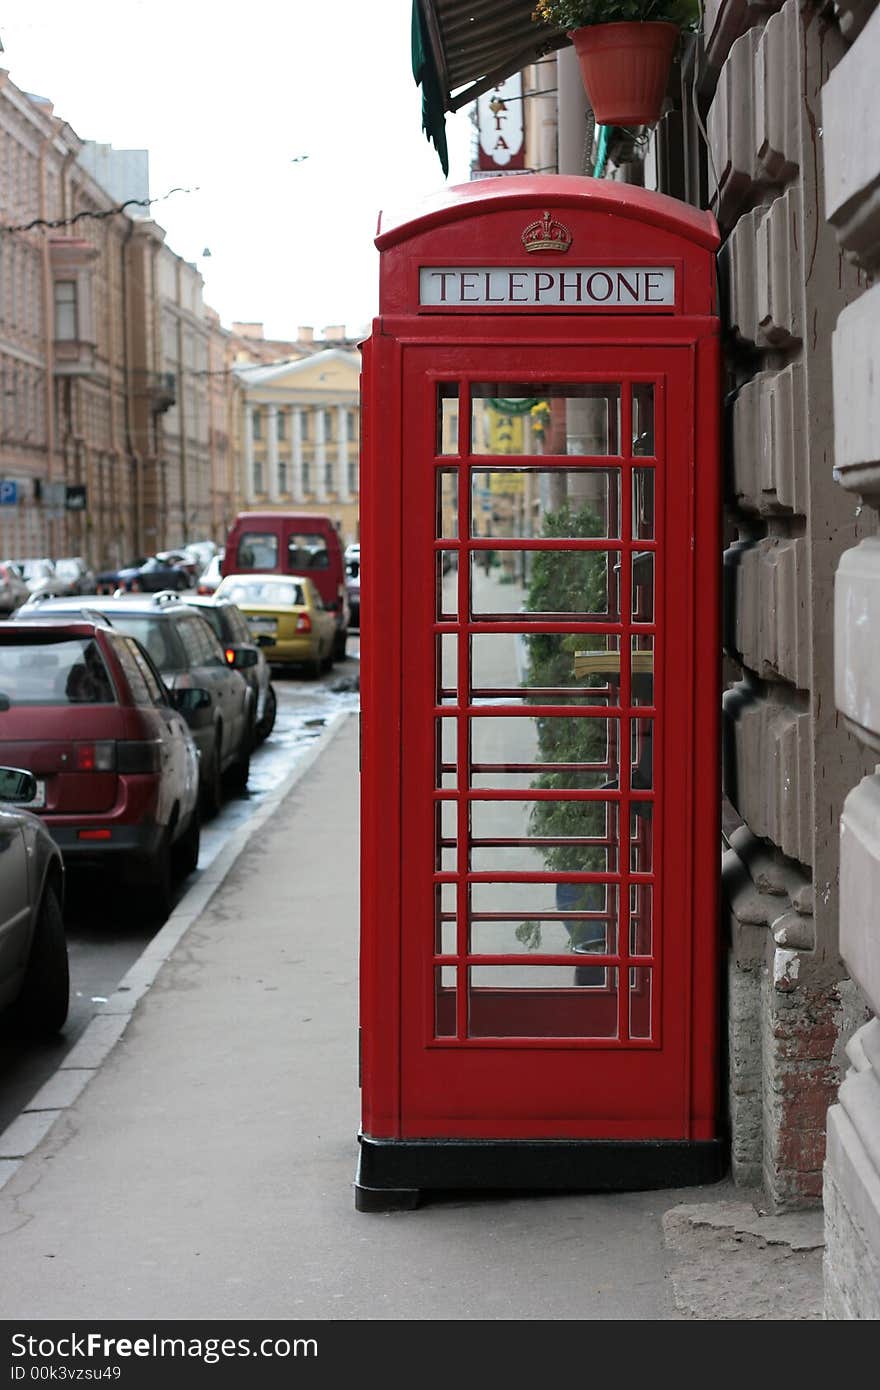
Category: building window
[258,475]
[258,424]
[352,475]
[304,423]
[328,424]
[282,474]
[351,424]
[307,475]
[328,476]
[65,310]
[282,425]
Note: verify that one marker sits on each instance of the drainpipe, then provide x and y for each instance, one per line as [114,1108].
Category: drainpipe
[48,318]
[134,457]
[181,408]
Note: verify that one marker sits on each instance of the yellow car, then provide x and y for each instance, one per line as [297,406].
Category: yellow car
[287,617]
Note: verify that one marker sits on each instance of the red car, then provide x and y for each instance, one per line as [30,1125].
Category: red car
[83,708]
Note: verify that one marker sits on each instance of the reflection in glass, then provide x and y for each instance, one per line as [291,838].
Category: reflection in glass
[538,1001]
[642,754]
[447,504]
[641,939]
[514,496]
[642,670]
[643,504]
[549,668]
[643,419]
[447,417]
[640,979]
[447,585]
[444,1001]
[643,586]
[575,751]
[579,418]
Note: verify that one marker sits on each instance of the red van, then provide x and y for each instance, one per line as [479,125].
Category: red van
[293,543]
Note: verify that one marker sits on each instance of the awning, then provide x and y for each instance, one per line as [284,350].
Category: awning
[461,48]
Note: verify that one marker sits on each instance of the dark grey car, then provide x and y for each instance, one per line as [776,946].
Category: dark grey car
[34,976]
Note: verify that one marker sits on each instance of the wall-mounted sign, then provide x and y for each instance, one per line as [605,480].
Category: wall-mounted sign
[8,492]
[75,497]
[586,287]
[500,125]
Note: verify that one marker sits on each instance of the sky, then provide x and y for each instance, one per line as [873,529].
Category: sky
[228,98]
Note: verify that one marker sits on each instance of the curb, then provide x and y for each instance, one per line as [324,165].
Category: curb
[103,1032]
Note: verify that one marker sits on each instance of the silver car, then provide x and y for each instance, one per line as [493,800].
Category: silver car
[34,975]
[13,590]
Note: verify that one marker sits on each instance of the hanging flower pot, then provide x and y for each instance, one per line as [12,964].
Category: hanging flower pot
[625,68]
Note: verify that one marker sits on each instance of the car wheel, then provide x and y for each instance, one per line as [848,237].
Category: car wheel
[158,888]
[186,850]
[339,642]
[270,709]
[238,774]
[212,785]
[45,995]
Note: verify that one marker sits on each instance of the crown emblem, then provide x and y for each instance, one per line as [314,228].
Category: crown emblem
[546,235]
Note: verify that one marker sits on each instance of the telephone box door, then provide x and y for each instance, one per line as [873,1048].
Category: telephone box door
[548,781]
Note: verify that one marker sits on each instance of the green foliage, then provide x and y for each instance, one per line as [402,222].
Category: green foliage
[577,14]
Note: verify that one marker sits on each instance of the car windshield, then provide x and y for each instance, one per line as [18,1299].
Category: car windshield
[155,635]
[36,569]
[272,592]
[55,673]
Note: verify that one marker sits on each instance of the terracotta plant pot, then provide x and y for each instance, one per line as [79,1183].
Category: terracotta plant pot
[625,68]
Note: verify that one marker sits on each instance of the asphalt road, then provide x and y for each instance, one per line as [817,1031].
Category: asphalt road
[103,941]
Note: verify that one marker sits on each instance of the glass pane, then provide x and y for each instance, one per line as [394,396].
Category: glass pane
[551,668]
[445,898]
[643,419]
[447,417]
[643,670]
[643,504]
[578,902]
[641,933]
[546,502]
[642,754]
[544,584]
[444,1001]
[539,1001]
[531,836]
[579,418]
[548,936]
[447,668]
[640,1001]
[555,752]
[445,837]
[446,733]
[643,586]
[641,854]
[447,585]
[447,504]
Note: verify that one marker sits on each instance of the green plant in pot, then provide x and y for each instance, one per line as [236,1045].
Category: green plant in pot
[568,581]
[625,50]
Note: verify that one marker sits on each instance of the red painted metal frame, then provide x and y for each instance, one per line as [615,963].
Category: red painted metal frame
[413,1083]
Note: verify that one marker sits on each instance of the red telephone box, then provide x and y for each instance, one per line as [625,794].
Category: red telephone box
[540,694]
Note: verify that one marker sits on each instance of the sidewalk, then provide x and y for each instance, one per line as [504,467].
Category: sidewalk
[205,1171]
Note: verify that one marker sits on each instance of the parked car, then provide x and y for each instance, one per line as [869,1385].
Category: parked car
[148,576]
[187,654]
[13,590]
[286,616]
[353,583]
[202,552]
[293,544]
[39,576]
[34,974]
[75,574]
[115,766]
[230,625]
[210,576]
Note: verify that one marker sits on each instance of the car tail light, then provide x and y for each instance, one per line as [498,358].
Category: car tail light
[93,834]
[139,755]
[230,656]
[303,623]
[94,757]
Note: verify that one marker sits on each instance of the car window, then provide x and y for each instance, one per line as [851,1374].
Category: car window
[269,592]
[214,617]
[155,689]
[202,647]
[156,635]
[307,551]
[239,625]
[55,673]
[125,648]
[257,550]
